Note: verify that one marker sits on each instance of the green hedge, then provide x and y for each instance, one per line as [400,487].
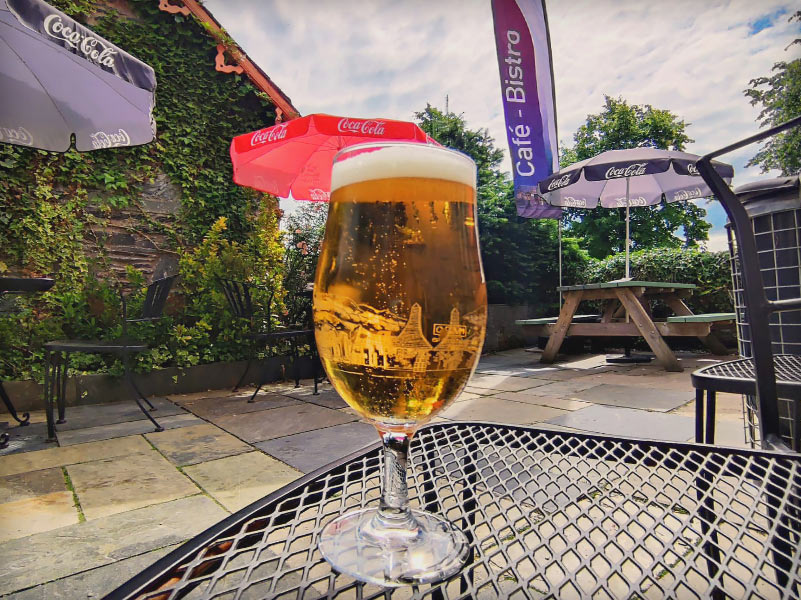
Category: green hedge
[710,271]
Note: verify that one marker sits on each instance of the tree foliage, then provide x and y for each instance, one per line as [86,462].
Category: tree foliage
[779,97]
[621,125]
[519,255]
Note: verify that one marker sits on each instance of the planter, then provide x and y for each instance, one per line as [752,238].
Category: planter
[95,389]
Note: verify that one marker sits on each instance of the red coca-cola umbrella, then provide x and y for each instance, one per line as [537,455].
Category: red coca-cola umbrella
[296,156]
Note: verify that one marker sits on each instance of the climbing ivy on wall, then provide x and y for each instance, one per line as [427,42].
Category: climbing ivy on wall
[50,203]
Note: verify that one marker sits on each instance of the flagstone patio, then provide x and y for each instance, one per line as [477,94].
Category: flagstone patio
[80,518]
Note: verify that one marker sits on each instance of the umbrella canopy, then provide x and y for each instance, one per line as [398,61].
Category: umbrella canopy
[649,173]
[633,177]
[59,79]
[296,156]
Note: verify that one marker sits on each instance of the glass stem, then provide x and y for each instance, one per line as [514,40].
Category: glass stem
[393,512]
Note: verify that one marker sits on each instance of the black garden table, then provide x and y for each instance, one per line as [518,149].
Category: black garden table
[549,514]
[19,285]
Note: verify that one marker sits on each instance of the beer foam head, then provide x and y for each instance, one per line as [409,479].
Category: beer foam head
[403,160]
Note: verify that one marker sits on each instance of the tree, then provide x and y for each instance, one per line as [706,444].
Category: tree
[618,126]
[519,255]
[780,98]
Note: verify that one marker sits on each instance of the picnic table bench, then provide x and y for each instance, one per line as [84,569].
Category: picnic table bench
[627,313]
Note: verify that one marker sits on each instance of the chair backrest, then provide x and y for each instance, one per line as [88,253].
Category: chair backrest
[758,306]
[156,297]
[238,295]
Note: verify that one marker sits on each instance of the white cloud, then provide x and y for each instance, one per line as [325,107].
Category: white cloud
[388,58]
[718,241]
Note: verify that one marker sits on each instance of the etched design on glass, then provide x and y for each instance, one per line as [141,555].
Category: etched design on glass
[358,334]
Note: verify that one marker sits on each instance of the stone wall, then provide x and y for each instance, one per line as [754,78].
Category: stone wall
[133,236]
[502,333]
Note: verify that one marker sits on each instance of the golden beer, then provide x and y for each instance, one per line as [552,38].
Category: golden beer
[400,303]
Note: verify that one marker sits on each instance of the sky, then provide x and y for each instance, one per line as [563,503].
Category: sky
[388,58]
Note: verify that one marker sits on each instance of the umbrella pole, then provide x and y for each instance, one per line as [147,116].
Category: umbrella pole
[627,228]
[559,221]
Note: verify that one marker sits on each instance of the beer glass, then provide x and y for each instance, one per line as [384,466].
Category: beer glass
[400,310]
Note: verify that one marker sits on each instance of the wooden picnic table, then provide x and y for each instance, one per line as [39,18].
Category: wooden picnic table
[628,313]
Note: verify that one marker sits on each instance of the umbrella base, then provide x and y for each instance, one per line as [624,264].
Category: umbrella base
[628,358]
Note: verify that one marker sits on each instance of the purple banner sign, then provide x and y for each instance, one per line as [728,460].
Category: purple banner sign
[524,61]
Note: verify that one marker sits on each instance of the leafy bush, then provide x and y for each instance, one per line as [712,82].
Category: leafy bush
[710,271]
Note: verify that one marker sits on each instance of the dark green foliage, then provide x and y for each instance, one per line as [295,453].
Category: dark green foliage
[50,202]
[619,126]
[710,271]
[520,256]
[779,97]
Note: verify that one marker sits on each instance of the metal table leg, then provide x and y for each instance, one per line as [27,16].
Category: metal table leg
[10,407]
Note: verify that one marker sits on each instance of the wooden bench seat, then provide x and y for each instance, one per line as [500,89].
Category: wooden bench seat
[552,320]
[703,318]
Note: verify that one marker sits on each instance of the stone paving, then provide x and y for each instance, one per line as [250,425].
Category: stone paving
[79,518]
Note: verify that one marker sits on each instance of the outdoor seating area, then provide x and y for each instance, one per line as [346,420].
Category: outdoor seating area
[140,493]
[252,354]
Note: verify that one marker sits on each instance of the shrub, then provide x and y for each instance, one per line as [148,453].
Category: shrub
[710,271]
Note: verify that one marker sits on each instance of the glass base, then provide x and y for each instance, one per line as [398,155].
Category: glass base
[431,550]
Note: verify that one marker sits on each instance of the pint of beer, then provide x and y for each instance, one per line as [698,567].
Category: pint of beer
[400,303]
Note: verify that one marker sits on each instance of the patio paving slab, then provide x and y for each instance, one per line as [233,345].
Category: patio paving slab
[58,457]
[94,583]
[496,410]
[568,388]
[236,481]
[556,374]
[106,432]
[313,449]
[503,383]
[28,516]
[29,485]
[198,443]
[552,401]
[210,408]
[95,415]
[29,438]
[628,422]
[477,391]
[34,502]
[635,397]
[48,556]
[278,422]
[115,485]
[328,398]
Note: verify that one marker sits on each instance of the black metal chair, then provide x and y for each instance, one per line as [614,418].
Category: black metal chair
[758,375]
[57,355]
[763,367]
[294,327]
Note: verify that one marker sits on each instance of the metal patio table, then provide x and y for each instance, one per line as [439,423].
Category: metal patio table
[19,285]
[548,513]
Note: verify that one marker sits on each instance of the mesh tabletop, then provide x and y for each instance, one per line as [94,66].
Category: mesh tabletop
[548,514]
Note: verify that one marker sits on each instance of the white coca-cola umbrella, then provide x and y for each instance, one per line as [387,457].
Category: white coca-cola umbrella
[59,79]
[626,178]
